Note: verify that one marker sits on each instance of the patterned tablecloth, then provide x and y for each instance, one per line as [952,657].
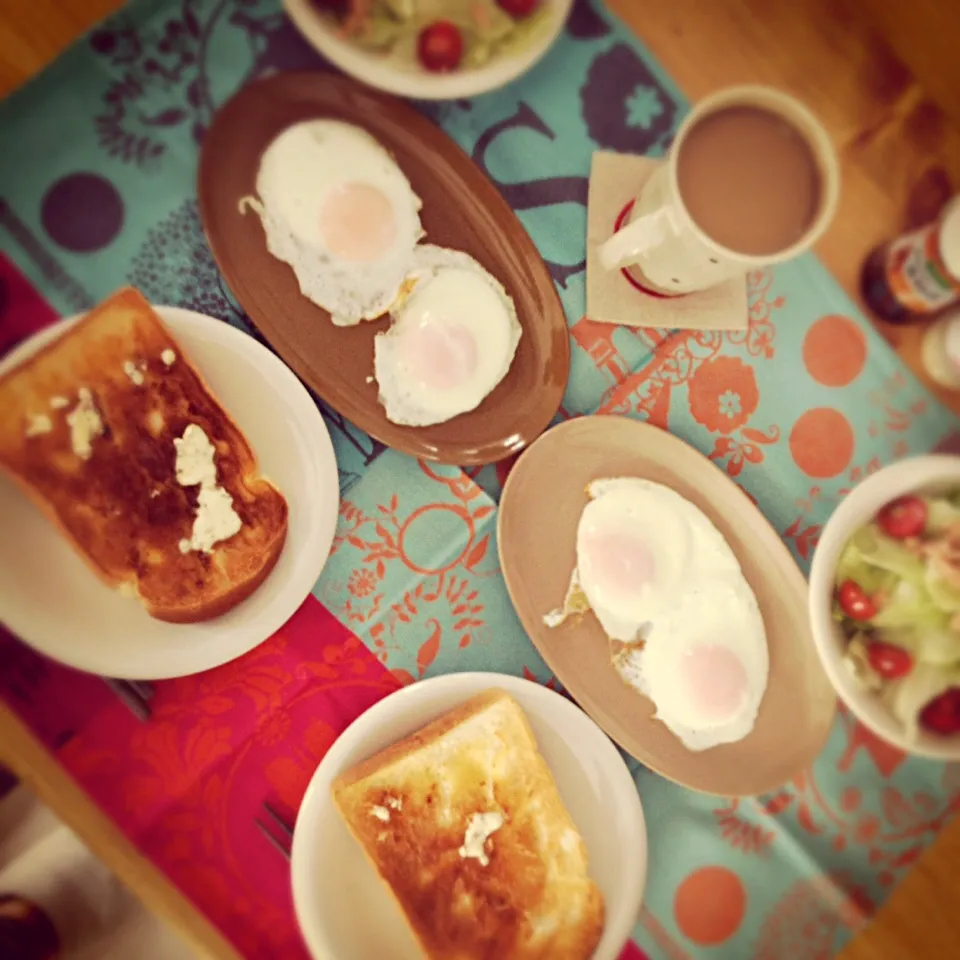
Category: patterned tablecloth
[97,189]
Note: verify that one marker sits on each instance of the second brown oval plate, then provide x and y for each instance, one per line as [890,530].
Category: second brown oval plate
[539,513]
[461,209]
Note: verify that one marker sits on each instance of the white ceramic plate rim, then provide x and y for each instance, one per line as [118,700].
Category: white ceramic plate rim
[466,685]
[223,639]
[375,71]
[908,476]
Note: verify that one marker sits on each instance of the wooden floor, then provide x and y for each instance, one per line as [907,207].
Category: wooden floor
[885,78]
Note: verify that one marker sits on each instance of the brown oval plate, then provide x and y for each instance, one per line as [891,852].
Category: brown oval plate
[539,512]
[461,209]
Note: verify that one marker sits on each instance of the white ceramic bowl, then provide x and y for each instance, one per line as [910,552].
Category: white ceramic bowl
[346,913]
[411,80]
[918,475]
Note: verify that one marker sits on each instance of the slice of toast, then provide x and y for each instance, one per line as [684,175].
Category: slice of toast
[464,823]
[88,426]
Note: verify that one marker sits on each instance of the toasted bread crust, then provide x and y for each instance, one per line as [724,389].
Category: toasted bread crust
[533,898]
[121,506]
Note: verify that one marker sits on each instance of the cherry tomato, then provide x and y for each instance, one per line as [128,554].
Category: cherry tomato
[854,602]
[518,8]
[440,46]
[889,660]
[903,517]
[942,714]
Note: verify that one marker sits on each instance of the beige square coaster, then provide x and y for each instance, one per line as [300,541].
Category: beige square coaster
[615,180]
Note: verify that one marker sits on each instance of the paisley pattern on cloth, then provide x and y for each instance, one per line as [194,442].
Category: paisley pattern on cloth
[97,190]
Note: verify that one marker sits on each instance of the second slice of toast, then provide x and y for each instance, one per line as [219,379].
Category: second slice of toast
[90,427]
[464,823]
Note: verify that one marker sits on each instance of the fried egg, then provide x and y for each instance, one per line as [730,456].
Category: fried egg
[639,544]
[662,581]
[336,207]
[704,664]
[453,338]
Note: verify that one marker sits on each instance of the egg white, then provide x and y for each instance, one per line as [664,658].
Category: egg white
[694,593]
[722,613]
[685,545]
[447,289]
[298,171]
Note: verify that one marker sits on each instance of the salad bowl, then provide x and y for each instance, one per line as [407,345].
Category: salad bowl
[399,72]
[870,540]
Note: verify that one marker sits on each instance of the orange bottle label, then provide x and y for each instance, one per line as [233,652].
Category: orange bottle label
[916,273]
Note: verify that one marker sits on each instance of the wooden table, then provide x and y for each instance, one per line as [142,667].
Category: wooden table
[884,77]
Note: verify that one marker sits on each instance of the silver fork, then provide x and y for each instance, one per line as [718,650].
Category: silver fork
[276,830]
[134,694]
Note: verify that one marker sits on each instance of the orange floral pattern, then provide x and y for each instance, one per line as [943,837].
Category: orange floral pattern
[723,394]
[722,391]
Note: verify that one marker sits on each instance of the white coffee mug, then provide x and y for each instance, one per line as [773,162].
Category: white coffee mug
[660,243]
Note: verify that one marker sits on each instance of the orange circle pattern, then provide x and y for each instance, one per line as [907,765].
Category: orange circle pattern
[709,905]
[821,442]
[834,351]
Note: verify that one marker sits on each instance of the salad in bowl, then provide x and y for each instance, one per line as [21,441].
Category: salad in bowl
[897,600]
[885,603]
[440,35]
[431,49]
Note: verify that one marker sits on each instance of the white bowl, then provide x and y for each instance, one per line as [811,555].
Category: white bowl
[929,474]
[345,911]
[411,80]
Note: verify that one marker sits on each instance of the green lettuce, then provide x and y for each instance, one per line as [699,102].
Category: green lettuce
[941,514]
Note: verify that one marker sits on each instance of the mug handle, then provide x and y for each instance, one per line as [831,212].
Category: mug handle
[634,239]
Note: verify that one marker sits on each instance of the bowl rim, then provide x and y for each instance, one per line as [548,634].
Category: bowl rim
[921,473]
[376,71]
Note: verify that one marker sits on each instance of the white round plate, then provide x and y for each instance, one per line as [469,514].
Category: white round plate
[345,911]
[51,598]
[410,79]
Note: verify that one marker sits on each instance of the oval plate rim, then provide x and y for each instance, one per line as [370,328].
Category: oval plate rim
[784,560]
[256,298]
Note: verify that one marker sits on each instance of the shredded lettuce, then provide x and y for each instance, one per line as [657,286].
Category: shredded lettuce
[936,646]
[943,594]
[878,550]
[871,578]
[379,33]
[400,9]
[942,514]
[857,660]
[909,605]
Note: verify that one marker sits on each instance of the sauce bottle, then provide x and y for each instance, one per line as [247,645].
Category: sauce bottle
[940,350]
[917,274]
[57,886]
[26,931]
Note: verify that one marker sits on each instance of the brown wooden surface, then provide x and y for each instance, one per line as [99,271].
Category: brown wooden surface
[23,754]
[885,78]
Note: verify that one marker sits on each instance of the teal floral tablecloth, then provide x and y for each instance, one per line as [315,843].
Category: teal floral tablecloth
[97,169]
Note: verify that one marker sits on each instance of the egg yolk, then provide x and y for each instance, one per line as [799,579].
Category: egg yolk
[716,680]
[619,562]
[357,222]
[441,355]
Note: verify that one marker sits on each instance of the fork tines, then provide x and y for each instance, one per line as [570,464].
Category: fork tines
[133,694]
[277,831]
